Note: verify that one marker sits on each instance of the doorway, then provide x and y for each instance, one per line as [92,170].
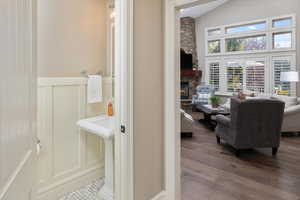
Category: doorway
[203,159]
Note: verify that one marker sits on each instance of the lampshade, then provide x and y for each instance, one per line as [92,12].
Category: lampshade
[289,77]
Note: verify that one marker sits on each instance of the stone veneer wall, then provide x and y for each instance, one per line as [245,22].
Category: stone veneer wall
[188,37]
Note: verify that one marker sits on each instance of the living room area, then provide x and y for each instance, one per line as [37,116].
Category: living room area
[240,100]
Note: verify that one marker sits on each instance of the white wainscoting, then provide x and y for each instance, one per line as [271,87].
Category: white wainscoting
[69,158]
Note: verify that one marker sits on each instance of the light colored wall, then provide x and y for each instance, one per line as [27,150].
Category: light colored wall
[148,98]
[71,37]
[236,11]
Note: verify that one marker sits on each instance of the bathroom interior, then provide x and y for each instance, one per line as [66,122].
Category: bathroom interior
[75,60]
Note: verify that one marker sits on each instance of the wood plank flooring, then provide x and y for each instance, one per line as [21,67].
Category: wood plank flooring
[212,172]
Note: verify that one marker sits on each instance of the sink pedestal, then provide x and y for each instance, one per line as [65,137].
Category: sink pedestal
[107,191]
[103,126]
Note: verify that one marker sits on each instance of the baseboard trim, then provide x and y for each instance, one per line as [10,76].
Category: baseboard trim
[161,196]
[55,191]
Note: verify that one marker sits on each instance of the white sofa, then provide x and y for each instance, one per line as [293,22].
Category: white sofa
[291,120]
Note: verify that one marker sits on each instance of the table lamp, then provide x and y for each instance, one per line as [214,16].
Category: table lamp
[291,76]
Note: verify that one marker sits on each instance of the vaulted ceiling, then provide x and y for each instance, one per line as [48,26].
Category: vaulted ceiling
[199,10]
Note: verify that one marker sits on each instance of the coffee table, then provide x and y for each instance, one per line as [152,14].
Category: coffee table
[208,112]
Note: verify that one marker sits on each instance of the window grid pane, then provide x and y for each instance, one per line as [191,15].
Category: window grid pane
[247,27]
[282,22]
[214,32]
[281,66]
[214,46]
[214,75]
[234,77]
[282,40]
[255,76]
[246,43]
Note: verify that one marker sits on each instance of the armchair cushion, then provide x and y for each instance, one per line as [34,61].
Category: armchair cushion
[223,120]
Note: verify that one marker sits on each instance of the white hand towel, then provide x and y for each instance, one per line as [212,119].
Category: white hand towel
[94,89]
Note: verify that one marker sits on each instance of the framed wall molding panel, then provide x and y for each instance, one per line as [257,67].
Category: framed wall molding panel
[69,158]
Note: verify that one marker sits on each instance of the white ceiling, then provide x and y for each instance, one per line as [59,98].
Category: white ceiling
[202,9]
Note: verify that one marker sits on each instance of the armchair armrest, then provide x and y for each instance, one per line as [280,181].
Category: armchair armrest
[292,110]
[223,120]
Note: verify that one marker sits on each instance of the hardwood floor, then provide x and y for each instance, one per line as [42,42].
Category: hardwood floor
[212,172]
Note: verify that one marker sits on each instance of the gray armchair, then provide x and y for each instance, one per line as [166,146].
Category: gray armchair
[204,92]
[254,123]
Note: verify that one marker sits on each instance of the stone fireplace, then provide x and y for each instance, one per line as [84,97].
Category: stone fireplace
[190,75]
[190,79]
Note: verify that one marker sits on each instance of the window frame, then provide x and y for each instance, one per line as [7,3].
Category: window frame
[207,47]
[268,31]
[292,59]
[207,75]
[267,55]
[269,69]
[243,60]
[248,51]
[278,33]
[214,29]
[263,21]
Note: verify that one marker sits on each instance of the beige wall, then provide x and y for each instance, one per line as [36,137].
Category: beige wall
[71,37]
[148,98]
[236,11]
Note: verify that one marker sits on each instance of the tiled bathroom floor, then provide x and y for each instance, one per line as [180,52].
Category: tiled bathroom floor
[87,193]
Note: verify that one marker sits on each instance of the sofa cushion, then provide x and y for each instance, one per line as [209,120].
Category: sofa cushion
[289,101]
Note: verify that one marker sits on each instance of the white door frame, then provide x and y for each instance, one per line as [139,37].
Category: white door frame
[172,96]
[172,104]
[124,187]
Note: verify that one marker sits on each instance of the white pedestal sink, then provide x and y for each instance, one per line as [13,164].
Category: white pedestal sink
[103,126]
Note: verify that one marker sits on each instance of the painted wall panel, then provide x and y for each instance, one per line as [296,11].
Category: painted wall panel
[69,157]
[66,135]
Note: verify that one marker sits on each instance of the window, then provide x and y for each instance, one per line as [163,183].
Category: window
[279,23]
[214,75]
[247,27]
[251,56]
[281,65]
[246,43]
[214,46]
[255,76]
[214,32]
[234,76]
[282,40]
